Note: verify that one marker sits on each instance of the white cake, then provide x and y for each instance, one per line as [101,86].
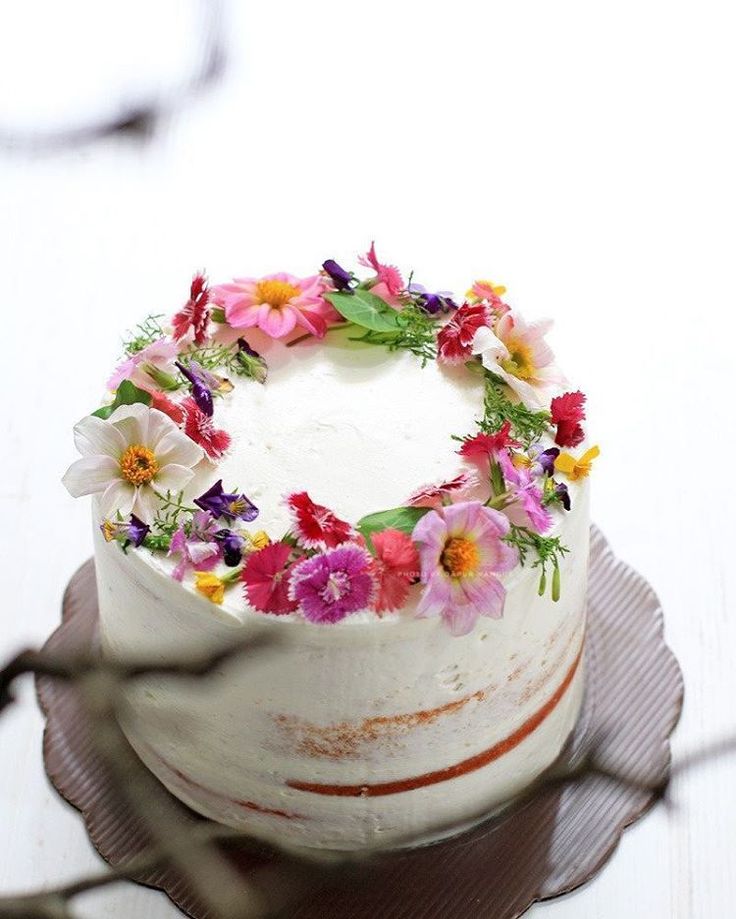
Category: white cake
[382,728]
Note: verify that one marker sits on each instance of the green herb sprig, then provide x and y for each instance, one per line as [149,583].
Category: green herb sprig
[547,552]
[415,331]
[144,334]
[526,425]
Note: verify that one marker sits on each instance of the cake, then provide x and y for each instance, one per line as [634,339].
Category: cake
[388,487]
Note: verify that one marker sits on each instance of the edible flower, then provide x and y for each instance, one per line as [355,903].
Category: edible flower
[462,552]
[524,499]
[316,525]
[340,277]
[266,579]
[576,469]
[251,361]
[388,283]
[201,391]
[231,505]
[195,314]
[162,402]
[132,532]
[331,585]
[128,457]
[489,445]
[200,428]
[455,339]
[395,567]
[195,544]
[231,545]
[433,303]
[517,352]
[152,366]
[567,411]
[277,303]
[210,586]
[434,495]
[490,293]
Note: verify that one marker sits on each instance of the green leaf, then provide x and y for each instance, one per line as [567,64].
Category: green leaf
[218,315]
[365,309]
[127,394]
[398,518]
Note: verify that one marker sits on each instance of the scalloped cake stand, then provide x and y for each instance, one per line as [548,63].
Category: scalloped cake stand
[557,838]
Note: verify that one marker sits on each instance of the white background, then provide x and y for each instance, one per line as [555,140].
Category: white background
[581,153]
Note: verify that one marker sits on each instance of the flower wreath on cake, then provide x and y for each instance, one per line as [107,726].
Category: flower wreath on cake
[140,450]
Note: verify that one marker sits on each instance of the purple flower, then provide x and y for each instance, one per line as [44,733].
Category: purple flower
[525,505]
[231,545]
[196,545]
[331,585]
[137,531]
[230,505]
[563,495]
[133,532]
[341,278]
[201,392]
[251,361]
[433,303]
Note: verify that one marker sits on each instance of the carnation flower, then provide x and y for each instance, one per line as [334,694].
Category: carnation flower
[484,446]
[151,367]
[162,402]
[128,457]
[231,505]
[433,495]
[276,304]
[455,339]
[266,579]
[388,283]
[316,525]
[462,552]
[567,412]
[194,316]
[395,567]
[201,429]
[517,352]
[331,585]
[576,469]
[196,545]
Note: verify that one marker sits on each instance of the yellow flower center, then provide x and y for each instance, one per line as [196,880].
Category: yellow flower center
[460,557]
[520,362]
[138,465]
[276,293]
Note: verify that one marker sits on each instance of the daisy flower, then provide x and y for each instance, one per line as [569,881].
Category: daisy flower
[128,457]
[462,552]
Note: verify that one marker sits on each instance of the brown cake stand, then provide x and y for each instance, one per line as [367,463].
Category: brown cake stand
[614,767]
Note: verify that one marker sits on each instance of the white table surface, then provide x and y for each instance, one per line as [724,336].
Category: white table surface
[582,154]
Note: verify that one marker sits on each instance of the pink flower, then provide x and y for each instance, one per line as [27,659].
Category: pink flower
[482,446]
[276,304]
[395,567]
[143,367]
[200,428]
[266,578]
[433,495]
[525,507]
[517,352]
[331,585]
[196,546]
[455,339]
[462,551]
[491,293]
[388,284]
[316,525]
[195,314]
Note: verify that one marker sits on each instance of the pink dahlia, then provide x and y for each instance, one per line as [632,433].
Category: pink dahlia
[276,304]
[462,552]
[455,339]
[395,567]
[388,284]
[266,579]
[316,525]
[331,585]
[434,495]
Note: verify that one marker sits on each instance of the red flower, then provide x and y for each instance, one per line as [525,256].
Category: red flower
[164,404]
[567,412]
[195,314]
[455,339]
[266,578]
[483,446]
[395,567]
[432,495]
[202,431]
[315,525]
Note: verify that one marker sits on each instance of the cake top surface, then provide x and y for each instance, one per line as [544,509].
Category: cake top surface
[324,447]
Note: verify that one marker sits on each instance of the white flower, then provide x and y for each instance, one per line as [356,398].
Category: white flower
[128,457]
[517,352]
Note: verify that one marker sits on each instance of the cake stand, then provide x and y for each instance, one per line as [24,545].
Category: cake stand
[614,767]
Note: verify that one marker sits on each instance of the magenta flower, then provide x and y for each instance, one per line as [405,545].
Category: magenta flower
[331,585]
[462,552]
[276,304]
[525,505]
[196,545]
[388,283]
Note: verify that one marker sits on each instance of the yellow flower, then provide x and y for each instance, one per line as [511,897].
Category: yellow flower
[484,290]
[576,469]
[210,586]
[258,540]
